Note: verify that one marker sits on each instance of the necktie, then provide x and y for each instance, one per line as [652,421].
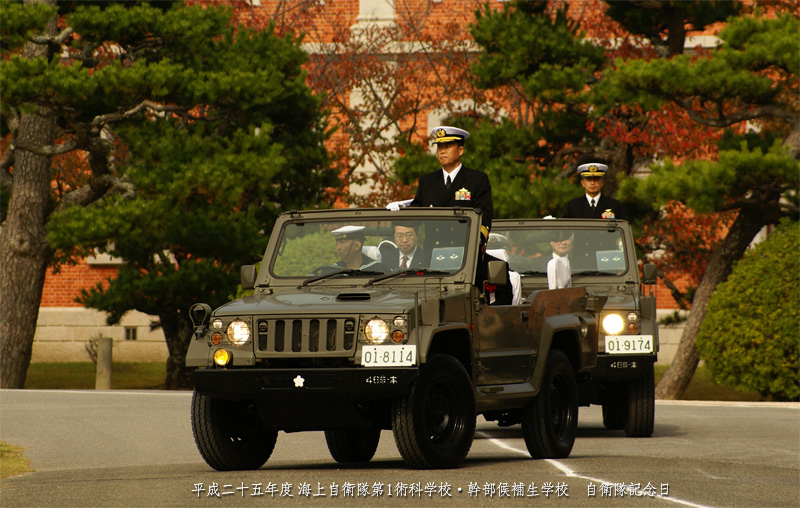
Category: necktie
[404,264]
[593,203]
[448,183]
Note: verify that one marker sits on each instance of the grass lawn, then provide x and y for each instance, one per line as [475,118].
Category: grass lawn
[701,387]
[12,463]
[81,376]
[148,376]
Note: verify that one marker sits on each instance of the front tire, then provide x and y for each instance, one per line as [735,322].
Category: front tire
[352,446]
[229,434]
[550,421]
[434,424]
[640,421]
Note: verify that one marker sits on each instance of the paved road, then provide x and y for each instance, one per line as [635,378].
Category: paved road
[136,449]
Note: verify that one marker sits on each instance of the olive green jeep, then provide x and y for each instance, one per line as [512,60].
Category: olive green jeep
[602,258]
[323,344]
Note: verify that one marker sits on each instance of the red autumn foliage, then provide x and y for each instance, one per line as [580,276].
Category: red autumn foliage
[684,240]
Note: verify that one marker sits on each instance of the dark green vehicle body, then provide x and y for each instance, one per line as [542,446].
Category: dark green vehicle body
[603,260]
[419,352]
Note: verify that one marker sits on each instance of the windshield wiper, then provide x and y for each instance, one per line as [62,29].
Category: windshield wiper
[346,271]
[532,272]
[410,271]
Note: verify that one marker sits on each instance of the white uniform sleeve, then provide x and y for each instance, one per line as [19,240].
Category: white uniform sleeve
[558,273]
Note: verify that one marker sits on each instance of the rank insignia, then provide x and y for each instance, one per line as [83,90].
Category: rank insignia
[463,195]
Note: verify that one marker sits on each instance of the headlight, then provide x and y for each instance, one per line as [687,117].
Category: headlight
[376,331]
[613,324]
[238,332]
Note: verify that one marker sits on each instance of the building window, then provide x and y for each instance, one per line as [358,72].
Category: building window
[130,333]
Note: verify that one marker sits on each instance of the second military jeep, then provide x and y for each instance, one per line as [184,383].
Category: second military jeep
[353,350]
[603,260]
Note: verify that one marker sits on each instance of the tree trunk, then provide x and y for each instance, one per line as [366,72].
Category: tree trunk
[177,332]
[24,252]
[677,377]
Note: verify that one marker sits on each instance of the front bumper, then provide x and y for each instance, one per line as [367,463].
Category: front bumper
[622,367]
[311,398]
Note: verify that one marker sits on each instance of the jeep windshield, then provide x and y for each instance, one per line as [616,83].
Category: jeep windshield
[591,252]
[321,249]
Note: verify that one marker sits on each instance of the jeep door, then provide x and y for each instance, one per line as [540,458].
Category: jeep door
[505,348]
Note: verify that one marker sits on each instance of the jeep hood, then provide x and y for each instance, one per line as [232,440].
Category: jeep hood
[327,301]
[616,299]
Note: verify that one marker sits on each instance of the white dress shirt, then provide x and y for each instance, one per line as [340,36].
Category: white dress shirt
[451,174]
[409,256]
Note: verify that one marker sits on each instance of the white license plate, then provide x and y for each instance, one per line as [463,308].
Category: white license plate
[629,344]
[389,356]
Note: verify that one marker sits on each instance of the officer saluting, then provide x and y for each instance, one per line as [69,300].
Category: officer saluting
[455,184]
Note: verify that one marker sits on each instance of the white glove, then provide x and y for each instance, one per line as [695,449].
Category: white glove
[396,205]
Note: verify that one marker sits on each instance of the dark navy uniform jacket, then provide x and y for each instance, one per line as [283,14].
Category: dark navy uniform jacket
[579,208]
[471,188]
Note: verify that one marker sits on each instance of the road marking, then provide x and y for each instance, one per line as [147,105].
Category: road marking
[569,472]
[733,403]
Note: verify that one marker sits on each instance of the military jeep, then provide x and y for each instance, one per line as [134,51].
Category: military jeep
[324,346]
[602,260]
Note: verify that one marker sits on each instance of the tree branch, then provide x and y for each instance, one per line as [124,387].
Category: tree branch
[58,39]
[88,194]
[146,104]
[47,150]
[723,120]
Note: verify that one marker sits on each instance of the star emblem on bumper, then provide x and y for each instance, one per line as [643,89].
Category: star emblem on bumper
[299,381]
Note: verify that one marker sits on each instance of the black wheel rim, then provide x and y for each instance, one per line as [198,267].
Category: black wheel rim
[444,416]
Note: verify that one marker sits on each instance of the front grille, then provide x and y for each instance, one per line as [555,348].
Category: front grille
[299,336]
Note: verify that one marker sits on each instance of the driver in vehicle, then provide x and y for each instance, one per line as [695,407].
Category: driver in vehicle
[349,243]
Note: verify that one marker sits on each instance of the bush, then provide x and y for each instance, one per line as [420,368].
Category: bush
[749,339]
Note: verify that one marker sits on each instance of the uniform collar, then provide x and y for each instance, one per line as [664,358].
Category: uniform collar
[451,174]
[596,198]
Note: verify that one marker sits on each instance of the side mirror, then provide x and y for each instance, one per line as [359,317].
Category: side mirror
[650,273]
[248,275]
[497,273]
